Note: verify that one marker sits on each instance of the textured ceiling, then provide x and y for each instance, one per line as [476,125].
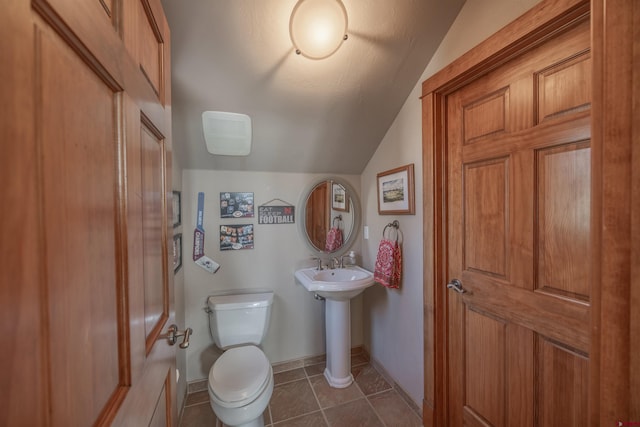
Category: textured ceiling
[325,116]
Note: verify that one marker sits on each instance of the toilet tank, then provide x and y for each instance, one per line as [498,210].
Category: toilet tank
[239,318]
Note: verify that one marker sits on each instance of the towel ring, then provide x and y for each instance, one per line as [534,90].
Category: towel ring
[394,225]
[339,218]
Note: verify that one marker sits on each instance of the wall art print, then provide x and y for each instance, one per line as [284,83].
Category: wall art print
[396,191]
[177,252]
[236,237]
[177,209]
[339,198]
[236,205]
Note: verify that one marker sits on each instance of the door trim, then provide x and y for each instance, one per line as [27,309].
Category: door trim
[615,212]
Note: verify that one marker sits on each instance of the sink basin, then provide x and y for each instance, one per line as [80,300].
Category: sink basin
[337,284]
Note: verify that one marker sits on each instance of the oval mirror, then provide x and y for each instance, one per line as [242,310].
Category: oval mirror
[329,216]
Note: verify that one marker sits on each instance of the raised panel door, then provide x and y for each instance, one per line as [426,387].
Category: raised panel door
[518,240]
[73,228]
[78,151]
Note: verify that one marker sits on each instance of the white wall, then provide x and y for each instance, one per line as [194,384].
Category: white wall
[297,322]
[393,319]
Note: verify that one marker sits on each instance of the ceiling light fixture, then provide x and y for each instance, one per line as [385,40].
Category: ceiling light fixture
[318,27]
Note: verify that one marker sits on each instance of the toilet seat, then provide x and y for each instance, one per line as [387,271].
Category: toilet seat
[239,375]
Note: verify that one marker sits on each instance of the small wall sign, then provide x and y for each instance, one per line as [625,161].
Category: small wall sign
[199,257]
[276,215]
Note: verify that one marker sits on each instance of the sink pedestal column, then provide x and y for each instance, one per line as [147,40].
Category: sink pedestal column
[338,330]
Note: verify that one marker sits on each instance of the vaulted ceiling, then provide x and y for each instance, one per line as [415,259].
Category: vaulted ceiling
[313,116]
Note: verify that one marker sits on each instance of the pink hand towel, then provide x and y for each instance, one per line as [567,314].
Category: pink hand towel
[388,269]
[334,239]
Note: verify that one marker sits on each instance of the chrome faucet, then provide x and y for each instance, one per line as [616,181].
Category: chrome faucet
[342,260]
[338,262]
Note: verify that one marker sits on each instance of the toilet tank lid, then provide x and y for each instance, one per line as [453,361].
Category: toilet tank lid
[240,301]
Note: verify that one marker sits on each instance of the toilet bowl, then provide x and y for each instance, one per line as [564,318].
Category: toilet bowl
[241,379]
[240,386]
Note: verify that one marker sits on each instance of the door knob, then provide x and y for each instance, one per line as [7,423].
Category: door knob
[172,335]
[456,285]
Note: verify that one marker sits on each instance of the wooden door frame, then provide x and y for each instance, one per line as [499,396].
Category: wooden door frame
[615,213]
[615,201]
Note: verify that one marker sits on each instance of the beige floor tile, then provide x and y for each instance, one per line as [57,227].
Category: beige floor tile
[288,376]
[328,396]
[393,410]
[198,386]
[197,397]
[303,398]
[315,419]
[353,414]
[292,400]
[198,415]
[315,360]
[369,380]
[287,366]
[315,369]
[359,359]
[266,417]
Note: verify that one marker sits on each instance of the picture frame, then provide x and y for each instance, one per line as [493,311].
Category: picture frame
[339,198]
[177,209]
[236,237]
[396,192]
[236,204]
[177,252]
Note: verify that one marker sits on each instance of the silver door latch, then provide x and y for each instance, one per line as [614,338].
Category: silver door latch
[172,335]
[456,285]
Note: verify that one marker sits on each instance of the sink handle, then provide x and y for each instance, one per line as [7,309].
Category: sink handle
[319,266]
[336,262]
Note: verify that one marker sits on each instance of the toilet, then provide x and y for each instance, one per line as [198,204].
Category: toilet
[241,379]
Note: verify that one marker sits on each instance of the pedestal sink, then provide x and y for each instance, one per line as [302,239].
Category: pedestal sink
[337,286]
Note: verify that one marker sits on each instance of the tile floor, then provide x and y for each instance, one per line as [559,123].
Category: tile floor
[302,398]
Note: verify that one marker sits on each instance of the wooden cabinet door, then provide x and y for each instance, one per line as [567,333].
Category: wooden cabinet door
[86,151]
[518,188]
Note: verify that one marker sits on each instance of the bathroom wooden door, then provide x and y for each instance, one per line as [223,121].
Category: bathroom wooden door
[516,218]
[86,166]
[519,188]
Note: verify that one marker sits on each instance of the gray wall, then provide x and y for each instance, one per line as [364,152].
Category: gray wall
[297,319]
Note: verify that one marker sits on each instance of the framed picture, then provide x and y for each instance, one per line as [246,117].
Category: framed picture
[177,215]
[236,205]
[396,191]
[339,198]
[236,237]
[177,252]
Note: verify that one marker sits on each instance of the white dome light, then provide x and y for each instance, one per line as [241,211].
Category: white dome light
[318,27]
